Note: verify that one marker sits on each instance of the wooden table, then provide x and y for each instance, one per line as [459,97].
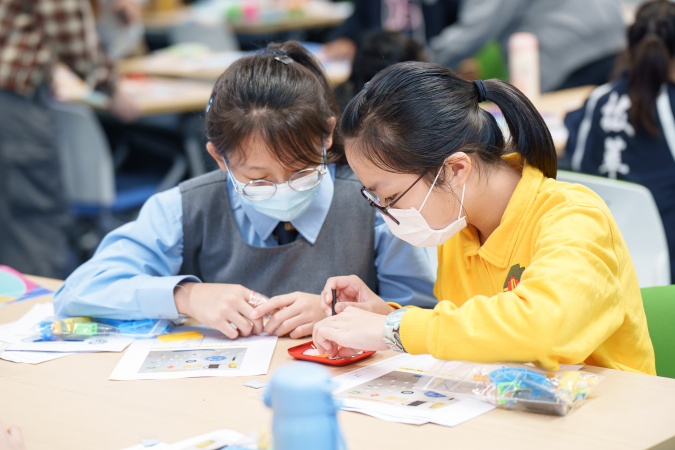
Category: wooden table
[316,15]
[69,403]
[207,66]
[153,95]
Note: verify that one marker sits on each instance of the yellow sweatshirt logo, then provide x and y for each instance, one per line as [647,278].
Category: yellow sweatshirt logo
[513,277]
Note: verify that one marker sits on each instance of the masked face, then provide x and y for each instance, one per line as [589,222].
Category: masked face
[285,205]
[286,201]
[415,230]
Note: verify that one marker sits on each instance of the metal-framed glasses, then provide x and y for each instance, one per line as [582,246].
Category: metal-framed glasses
[374,200]
[302,180]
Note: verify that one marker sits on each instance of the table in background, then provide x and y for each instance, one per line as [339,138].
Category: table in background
[153,95]
[208,66]
[69,403]
[316,15]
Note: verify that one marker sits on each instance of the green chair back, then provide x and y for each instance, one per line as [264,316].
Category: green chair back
[659,303]
[491,62]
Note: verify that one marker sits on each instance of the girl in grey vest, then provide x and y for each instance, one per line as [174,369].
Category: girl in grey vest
[282,215]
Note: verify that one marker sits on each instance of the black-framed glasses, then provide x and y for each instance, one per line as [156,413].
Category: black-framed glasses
[375,201]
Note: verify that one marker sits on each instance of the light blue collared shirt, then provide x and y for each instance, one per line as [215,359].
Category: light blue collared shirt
[136,267]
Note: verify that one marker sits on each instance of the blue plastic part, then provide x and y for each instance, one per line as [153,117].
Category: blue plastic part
[304,409]
[524,376]
[517,383]
[45,328]
[138,328]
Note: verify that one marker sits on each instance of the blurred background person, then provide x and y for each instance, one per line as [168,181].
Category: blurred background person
[120,27]
[421,20]
[34,220]
[626,129]
[578,39]
[379,51]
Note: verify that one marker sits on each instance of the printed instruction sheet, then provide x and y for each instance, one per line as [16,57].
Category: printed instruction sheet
[211,355]
[387,390]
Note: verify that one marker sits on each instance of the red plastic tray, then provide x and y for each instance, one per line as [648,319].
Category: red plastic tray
[297,352]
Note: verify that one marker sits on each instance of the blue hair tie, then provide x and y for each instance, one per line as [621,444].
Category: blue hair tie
[482,92]
[208,106]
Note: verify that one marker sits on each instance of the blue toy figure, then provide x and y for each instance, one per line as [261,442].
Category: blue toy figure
[304,410]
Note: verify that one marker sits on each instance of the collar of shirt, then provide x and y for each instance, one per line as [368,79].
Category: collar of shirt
[499,247]
[308,224]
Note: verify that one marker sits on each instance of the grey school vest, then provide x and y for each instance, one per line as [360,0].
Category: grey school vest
[215,252]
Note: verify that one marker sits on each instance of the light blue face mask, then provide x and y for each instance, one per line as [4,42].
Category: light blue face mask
[286,204]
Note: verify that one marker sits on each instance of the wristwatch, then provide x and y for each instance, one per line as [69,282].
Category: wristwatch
[391,335]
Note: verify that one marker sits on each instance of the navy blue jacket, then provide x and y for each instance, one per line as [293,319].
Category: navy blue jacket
[604,142]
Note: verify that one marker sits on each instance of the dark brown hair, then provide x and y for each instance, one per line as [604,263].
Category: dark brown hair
[379,51]
[281,95]
[413,115]
[651,45]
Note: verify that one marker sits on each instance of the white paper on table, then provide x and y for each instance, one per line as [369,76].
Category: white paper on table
[15,334]
[214,355]
[32,357]
[381,390]
[209,441]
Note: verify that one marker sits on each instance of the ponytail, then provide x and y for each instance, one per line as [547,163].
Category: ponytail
[529,134]
[413,115]
[651,43]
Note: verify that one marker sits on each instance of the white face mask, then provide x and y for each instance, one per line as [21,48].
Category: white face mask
[416,231]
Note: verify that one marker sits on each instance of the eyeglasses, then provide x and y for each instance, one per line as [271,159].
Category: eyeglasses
[302,180]
[375,201]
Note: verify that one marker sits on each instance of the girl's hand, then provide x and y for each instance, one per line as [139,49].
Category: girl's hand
[221,306]
[124,106]
[354,330]
[11,438]
[351,291]
[299,314]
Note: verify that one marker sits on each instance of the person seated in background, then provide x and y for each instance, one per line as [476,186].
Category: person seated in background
[578,39]
[35,225]
[421,21]
[281,215]
[120,26]
[379,50]
[626,129]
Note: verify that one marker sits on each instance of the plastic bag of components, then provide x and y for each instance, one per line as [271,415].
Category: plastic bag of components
[512,386]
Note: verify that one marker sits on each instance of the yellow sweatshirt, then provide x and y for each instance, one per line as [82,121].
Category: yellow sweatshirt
[553,284]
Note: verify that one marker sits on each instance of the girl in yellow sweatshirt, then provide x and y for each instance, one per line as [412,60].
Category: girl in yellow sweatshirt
[530,269]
